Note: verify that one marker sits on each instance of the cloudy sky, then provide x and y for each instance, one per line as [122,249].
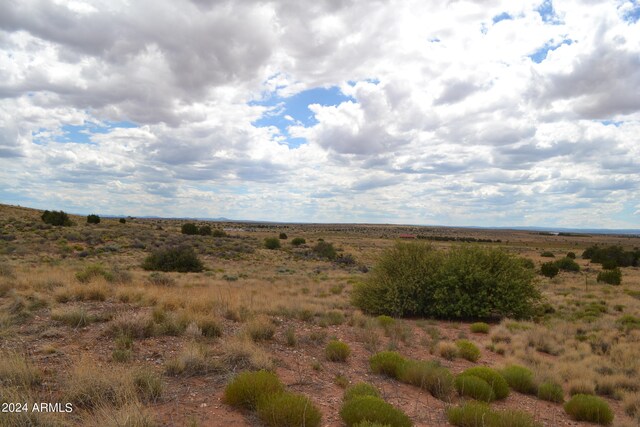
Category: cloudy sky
[486,112]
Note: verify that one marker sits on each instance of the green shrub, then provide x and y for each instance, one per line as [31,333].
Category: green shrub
[189,228]
[92,271]
[286,409]
[272,243]
[511,418]
[519,378]
[551,392]
[549,269]
[260,329]
[122,221]
[413,279]
[492,377]
[218,233]
[584,407]
[297,241]
[373,409]
[612,277]
[474,387]
[361,389]
[468,350]
[337,351]
[480,328]
[385,321]
[205,230]
[470,414]
[429,376]
[571,255]
[567,264]
[247,388]
[614,256]
[527,263]
[325,250]
[282,236]
[547,254]
[93,219]
[56,218]
[182,259]
[388,363]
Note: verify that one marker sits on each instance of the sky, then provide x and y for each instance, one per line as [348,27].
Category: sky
[468,113]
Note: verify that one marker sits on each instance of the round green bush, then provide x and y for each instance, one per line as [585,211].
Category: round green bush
[297,241]
[470,414]
[413,279]
[492,377]
[520,379]
[189,228]
[361,389]
[475,388]
[56,218]
[468,350]
[584,407]
[547,254]
[551,392]
[373,409]
[388,363]
[93,219]
[272,243]
[571,255]
[337,351]
[247,388]
[567,264]
[122,221]
[182,259]
[480,328]
[429,376]
[612,277]
[385,321]
[549,269]
[286,409]
[205,230]
[282,236]
[325,250]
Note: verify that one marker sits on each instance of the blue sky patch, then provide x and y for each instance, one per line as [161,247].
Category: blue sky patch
[80,134]
[632,15]
[541,54]
[547,13]
[504,16]
[294,110]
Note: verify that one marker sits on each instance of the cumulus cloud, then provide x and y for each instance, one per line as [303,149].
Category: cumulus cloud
[496,112]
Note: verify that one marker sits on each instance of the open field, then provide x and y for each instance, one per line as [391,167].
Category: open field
[82,322]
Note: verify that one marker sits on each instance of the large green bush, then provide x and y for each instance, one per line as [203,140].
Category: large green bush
[520,379]
[182,259]
[549,269]
[93,219]
[429,376]
[584,407]
[414,279]
[325,250]
[388,363]
[189,228]
[288,409]
[373,409]
[272,243]
[475,388]
[56,218]
[248,388]
[567,264]
[492,377]
[361,389]
[612,277]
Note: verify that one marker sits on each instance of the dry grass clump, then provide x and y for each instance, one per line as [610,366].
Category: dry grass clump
[148,384]
[447,350]
[76,317]
[581,386]
[194,359]
[98,291]
[242,353]
[260,329]
[520,379]
[631,405]
[17,370]
[551,392]
[134,325]
[90,386]
[130,415]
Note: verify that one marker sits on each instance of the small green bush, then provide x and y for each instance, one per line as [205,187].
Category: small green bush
[549,269]
[272,243]
[584,407]
[218,233]
[286,409]
[325,250]
[189,228]
[297,241]
[361,389]
[475,388]
[480,328]
[92,271]
[551,392]
[122,221]
[429,376]
[470,414]
[283,236]
[373,409]
[547,254]
[247,388]
[492,377]
[385,321]
[511,418]
[56,218]
[468,350]
[388,363]
[520,379]
[567,264]
[571,255]
[93,219]
[182,259]
[337,351]
[205,230]
[612,277]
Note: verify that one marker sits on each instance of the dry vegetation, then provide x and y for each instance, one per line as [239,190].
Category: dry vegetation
[82,322]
